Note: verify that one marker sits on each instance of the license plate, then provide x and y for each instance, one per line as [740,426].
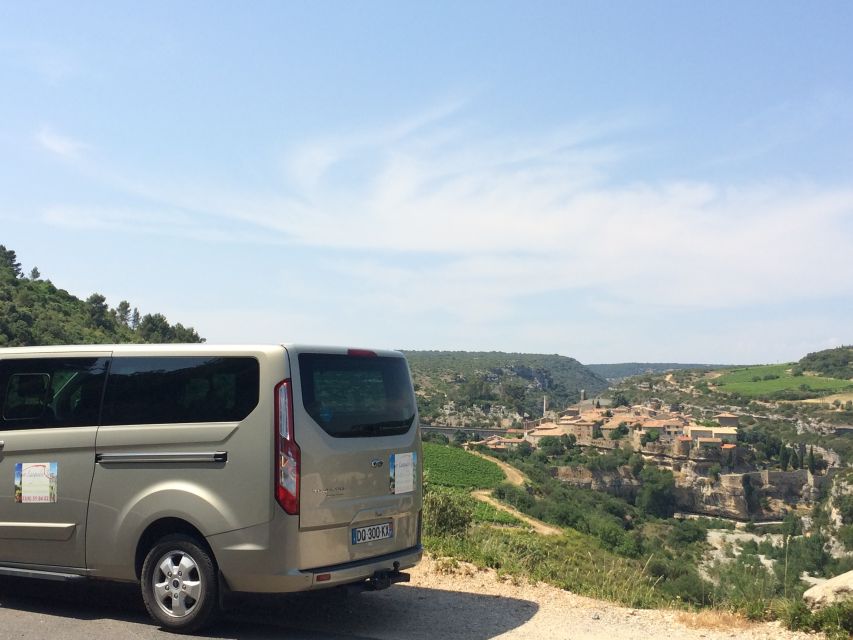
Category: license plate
[373,532]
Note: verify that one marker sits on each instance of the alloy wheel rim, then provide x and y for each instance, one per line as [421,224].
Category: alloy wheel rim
[176,585]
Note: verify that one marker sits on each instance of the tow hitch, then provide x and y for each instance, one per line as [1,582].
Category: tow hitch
[384,579]
[379,580]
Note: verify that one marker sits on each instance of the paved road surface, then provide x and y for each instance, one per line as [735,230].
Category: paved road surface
[95,611]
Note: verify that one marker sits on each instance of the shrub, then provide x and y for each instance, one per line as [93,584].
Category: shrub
[446,513]
[836,620]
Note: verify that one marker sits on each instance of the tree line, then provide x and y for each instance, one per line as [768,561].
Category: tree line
[35,312]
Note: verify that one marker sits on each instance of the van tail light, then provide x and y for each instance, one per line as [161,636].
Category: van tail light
[287,455]
[361,353]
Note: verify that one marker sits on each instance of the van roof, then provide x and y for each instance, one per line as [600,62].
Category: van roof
[187,349]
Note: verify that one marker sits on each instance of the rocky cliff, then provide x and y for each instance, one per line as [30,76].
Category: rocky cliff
[759,495]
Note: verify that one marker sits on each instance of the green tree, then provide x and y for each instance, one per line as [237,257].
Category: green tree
[714,471]
[551,446]
[657,493]
[636,462]
[784,457]
[568,440]
[123,312]
[9,259]
[98,310]
[621,400]
[619,432]
[35,274]
[649,436]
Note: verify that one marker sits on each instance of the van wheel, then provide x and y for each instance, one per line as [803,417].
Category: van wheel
[179,584]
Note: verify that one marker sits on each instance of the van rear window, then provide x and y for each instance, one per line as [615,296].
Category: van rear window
[357,396]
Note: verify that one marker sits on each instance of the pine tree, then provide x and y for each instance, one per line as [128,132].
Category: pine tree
[9,259]
[123,312]
[784,457]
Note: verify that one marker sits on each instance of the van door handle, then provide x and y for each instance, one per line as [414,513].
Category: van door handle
[2,444]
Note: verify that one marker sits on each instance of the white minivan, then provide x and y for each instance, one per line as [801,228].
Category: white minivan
[201,469]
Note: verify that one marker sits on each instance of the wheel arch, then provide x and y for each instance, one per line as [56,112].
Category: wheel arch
[158,530]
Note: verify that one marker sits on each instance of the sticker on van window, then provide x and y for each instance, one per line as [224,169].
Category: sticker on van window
[36,482]
[402,467]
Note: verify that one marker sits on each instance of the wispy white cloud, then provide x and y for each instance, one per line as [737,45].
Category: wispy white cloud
[443,216]
[59,144]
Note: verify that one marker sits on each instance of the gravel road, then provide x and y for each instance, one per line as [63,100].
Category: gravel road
[468,604]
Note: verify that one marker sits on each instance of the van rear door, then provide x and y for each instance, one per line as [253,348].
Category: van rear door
[355,419]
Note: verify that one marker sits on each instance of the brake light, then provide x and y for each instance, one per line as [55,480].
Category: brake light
[362,353]
[287,455]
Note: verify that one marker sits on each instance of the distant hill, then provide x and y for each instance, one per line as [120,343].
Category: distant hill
[622,370]
[517,381]
[34,312]
[832,363]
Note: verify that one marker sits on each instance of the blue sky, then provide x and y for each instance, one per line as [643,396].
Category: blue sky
[610,181]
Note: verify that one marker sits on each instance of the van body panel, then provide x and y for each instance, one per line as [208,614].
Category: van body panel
[131,438]
[116,528]
[214,497]
[260,559]
[53,532]
[347,480]
[117,478]
[72,451]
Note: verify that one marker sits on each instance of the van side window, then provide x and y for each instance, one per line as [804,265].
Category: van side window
[164,390]
[42,393]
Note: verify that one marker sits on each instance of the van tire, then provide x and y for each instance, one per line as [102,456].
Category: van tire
[180,564]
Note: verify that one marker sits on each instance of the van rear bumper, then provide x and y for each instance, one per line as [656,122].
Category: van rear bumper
[390,563]
[250,565]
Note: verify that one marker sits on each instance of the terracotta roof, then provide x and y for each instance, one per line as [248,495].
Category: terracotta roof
[729,446]
[725,415]
[685,438]
[667,422]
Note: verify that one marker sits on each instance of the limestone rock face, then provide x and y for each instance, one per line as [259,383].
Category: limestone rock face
[725,498]
[758,495]
[833,590]
[617,483]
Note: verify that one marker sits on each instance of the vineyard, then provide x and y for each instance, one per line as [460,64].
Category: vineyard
[452,467]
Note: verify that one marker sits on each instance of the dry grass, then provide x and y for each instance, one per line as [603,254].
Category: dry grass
[714,619]
[841,397]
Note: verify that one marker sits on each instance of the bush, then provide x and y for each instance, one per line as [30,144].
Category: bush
[516,496]
[446,513]
[845,534]
[836,620]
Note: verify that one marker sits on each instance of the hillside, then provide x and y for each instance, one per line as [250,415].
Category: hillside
[622,370]
[34,312]
[777,381]
[497,386]
[832,363]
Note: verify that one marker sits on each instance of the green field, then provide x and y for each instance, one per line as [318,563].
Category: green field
[452,467]
[743,381]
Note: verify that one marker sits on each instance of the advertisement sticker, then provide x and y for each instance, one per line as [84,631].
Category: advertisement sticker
[36,482]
